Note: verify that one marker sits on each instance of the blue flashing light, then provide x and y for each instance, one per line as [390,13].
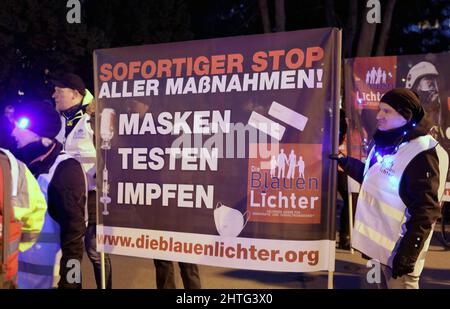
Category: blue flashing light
[23,123]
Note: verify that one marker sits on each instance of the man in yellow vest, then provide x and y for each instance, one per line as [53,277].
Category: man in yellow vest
[28,202]
[402,184]
[62,181]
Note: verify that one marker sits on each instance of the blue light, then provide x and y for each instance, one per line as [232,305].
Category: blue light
[23,123]
[414,124]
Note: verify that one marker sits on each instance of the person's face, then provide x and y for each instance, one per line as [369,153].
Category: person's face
[427,83]
[64,98]
[9,113]
[427,89]
[388,118]
[24,137]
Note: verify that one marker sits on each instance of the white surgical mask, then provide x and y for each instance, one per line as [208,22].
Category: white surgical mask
[229,221]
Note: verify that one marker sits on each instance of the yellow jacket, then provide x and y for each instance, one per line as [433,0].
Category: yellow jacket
[27,200]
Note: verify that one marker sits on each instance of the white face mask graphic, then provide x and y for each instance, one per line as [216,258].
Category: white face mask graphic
[229,221]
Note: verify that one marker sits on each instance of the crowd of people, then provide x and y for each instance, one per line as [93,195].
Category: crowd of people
[42,136]
[50,149]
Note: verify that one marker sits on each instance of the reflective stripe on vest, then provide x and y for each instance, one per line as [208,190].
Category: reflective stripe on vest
[14,171]
[42,255]
[13,247]
[43,237]
[11,263]
[381,214]
[37,269]
[22,200]
[79,144]
[11,240]
[19,199]
[12,253]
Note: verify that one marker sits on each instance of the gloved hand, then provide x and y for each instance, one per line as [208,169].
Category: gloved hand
[339,157]
[401,265]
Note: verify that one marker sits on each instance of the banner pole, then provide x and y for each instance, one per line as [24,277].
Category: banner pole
[330,280]
[102,262]
[350,219]
[334,147]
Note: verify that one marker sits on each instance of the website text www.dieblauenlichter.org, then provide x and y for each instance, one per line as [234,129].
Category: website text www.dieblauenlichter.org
[218,249]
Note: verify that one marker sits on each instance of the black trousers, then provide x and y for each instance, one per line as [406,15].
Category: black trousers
[343,191]
[165,275]
[72,229]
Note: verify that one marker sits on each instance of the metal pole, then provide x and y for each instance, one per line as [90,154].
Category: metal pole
[335,145]
[330,280]
[350,219]
[102,262]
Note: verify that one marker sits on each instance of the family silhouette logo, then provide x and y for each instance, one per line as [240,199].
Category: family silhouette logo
[287,187]
[378,76]
[282,160]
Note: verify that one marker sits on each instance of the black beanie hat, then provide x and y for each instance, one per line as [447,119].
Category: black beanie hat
[41,118]
[69,80]
[405,101]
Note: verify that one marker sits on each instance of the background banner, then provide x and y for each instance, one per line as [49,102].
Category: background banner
[215,152]
[368,78]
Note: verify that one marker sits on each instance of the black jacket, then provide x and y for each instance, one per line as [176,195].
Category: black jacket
[67,189]
[418,191]
[66,205]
